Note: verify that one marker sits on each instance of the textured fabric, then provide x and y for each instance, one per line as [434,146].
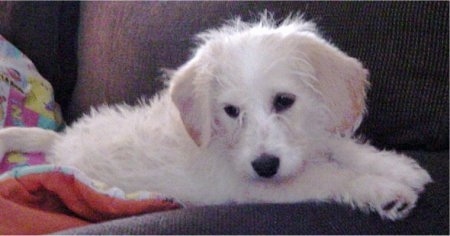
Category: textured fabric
[45,198]
[408,59]
[429,217]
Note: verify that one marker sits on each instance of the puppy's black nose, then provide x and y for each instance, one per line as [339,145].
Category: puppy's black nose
[266,165]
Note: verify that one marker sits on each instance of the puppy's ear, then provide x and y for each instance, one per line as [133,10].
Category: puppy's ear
[341,80]
[190,93]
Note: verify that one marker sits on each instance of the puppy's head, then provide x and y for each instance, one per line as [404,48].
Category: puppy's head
[266,96]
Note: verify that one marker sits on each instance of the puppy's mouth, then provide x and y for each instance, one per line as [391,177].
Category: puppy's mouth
[268,169]
[278,178]
[275,181]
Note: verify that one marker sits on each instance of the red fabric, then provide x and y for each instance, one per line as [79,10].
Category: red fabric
[49,202]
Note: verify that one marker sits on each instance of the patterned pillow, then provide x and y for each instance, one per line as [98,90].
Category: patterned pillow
[26,100]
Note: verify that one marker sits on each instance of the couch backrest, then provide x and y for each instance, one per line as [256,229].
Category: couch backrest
[122,46]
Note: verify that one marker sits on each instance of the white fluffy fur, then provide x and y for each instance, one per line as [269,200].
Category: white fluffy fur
[183,144]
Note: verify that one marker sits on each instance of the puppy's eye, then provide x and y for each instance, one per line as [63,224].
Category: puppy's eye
[283,101]
[231,111]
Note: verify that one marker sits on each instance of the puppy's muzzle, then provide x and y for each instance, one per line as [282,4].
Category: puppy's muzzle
[266,165]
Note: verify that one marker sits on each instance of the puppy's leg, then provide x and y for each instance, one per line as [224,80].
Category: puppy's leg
[391,199]
[367,159]
[26,140]
[329,181]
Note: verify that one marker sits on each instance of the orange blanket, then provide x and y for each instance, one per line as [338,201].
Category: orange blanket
[45,198]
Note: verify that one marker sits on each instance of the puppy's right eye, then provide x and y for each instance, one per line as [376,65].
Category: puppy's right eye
[231,111]
[283,101]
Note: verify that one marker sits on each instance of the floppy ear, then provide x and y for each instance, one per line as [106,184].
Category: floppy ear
[342,81]
[189,91]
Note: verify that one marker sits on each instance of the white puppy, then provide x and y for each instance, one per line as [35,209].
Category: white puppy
[262,112]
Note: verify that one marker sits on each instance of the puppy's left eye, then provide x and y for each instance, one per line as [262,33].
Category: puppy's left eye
[231,111]
[283,101]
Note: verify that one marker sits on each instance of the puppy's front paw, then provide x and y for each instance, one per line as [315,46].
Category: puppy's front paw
[392,200]
[409,172]
[397,206]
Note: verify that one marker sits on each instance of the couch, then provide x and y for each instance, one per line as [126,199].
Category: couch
[110,52]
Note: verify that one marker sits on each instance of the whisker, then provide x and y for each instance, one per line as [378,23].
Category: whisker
[275,63]
[302,59]
[305,74]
